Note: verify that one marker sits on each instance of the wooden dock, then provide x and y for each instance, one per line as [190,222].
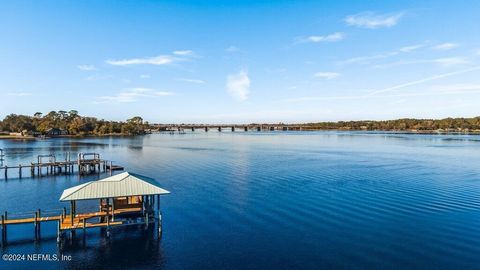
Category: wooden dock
[124,199]
[86,163]
[140,214]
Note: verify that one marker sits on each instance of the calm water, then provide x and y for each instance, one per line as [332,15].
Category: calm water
[272,201]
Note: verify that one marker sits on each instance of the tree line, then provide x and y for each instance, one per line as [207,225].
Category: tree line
[70,123]
[407,124]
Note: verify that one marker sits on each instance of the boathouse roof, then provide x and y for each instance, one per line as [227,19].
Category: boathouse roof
[120,185]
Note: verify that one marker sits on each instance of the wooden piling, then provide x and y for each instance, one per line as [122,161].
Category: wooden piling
[59,230]
[35,223]
[4,221]
[40,218]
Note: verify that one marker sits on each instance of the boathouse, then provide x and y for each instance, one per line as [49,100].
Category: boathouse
[124,199]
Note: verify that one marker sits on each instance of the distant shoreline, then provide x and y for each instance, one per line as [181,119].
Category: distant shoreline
[18,137]
[429,132]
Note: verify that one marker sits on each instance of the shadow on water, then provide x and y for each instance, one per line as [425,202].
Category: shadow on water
[126,248]
[132,247]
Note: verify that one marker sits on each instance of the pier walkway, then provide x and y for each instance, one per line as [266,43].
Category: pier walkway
[85,163]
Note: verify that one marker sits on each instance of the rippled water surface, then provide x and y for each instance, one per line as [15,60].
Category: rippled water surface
[276,200]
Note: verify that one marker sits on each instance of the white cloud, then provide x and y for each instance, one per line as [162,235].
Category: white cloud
[197,81]
[445,46]
[316,39]
[86,67]
[184,52]
[451,61]
[157,60]
[327,75]
[238,85]
[372,21]
[165,59]
[144,76]
[132,95]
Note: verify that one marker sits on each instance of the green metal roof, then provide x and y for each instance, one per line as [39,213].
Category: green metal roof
[120,185]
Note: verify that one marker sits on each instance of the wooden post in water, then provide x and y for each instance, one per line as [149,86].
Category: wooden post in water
[113,209]
[59,230]
[35,218]
[39,222]
[108,218]
[6,174]
[32,169]
[71,211]
[4,222]
[66,163]
[159,217]
[78,162]
[20,170]
[3,229]
[111,168]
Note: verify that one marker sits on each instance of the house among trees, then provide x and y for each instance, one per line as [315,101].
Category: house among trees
[56,132]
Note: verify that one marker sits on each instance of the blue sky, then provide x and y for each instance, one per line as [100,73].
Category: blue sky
[241,61]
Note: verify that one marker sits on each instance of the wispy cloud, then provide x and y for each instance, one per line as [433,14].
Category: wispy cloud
[373,21]
[411,48]
[132,95]
[451,61]
[238,85]
[197,81]
[370,58]
[86,67]
[233,49]
[367,59]
[446,46]
[19,94]
[327,75]
[164,59]
[444,62]
[432,91]
[316,39]
[144,76]
[438,91]
[424,80]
